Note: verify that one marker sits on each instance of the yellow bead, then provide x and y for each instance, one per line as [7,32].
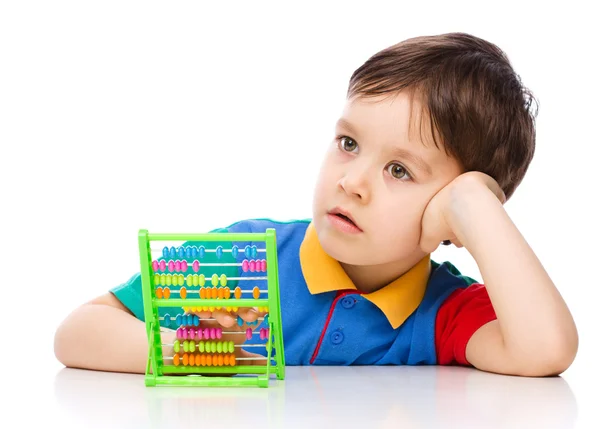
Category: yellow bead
[215,280]
[156,279]
[195,279]
[169,278]
[211,308]
[163,279]
[235,309]
[188,280]
[223,279]
[201,280]
[228,308]
[180,279]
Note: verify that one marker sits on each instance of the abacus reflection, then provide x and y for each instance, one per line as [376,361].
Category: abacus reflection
[208,272]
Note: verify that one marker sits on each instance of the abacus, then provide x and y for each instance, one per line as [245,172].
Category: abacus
[172,280]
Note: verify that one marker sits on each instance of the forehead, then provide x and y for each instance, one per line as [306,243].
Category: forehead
[397,118]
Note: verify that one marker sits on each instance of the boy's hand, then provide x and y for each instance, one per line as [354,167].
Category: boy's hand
[438,215]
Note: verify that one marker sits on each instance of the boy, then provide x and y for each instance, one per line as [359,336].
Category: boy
[436,134]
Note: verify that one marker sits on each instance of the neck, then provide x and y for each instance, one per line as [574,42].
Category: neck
[370,278]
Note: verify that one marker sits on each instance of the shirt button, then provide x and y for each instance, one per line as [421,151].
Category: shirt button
[337,337]
[348,302]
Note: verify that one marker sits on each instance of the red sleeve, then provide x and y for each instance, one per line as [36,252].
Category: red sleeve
[465,311]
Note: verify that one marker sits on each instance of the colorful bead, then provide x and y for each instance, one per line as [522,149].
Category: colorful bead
[219,252]
[214,293]
[223,280]
[177,265]
[213,333]
[197,360]
[219,332]
[196,320]
[254,252]
[178,320]
[201,280]
[262,333]
[249,334]
[219,347]
[180,252]
[234,251]
[201,346]
[172,252]
[180,279]
[263,265]
[196,266]
[247,251]
[220,360]
[226,360]
[184,266]
[213,347]
[163,279]
[162,265]
[186,346]
[245,265]
[155,265]
[231,346]
[206,333]
[165,252]
[176,360]
[166,293]
[159,292]
[179,333]
[194,252]
[238,292]
[192,346]
[203,293]
[201,252]
[221,292]
[183,293]
[256,292]
[185,359]
[227,294]
[252,265]
[240,321]
[171,265]
[215,280]
[167,319]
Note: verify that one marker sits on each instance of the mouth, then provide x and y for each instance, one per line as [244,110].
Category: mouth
[345,216]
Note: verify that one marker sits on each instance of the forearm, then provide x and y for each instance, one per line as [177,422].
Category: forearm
[533,317]
[101,337]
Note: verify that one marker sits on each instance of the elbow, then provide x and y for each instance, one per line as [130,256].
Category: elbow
[552,361]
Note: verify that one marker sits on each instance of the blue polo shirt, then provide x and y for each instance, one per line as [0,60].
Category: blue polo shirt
[327,321]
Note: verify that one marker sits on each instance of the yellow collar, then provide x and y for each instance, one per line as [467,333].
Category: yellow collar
[397,300]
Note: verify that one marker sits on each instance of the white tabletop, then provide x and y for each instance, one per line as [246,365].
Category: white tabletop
[314,397]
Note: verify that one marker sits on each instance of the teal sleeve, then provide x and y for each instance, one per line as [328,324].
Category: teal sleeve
[130,295]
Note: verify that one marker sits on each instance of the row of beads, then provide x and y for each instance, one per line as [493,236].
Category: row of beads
[208,346]
[199,334]
[264,333]
[194,320]
[192,252]
[258,265]
[207,293]
[204,360]
[190,280]
[227,308]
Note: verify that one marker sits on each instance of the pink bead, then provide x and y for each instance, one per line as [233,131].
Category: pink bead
[162,265]
[184,266]
[184,335]
[263,265]
[213,333]
[191,333]
[177,266]
[206,333]
[249,334]
[252,265]
[171,265]
[245,265]
[179,334]
[219,333]
[199,333]
[196,266]
[155,265]
[262,333]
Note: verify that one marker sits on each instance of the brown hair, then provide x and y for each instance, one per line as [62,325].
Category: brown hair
[475,100]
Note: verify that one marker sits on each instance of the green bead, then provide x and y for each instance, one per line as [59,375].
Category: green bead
[186,346]
[176,346]
[231,347]
[220,347]
[213,347]
[195,279]
[215,280]
[192,346]
[163,279]
[202,280]
[181,279]
[157,279]
[189,280]
[223,280]
[201,346]
[169,278]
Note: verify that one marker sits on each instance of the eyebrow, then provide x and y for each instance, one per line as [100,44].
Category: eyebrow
[399,152]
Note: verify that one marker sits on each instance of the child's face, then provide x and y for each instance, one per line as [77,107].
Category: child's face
[368,172]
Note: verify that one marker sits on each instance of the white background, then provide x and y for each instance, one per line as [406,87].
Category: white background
[171,116]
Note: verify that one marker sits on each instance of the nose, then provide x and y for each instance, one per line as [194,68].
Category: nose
[355,183]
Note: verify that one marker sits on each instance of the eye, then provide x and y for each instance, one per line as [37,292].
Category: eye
[399,172]
[347,144]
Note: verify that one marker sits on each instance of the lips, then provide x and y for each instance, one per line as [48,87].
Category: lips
[344,214]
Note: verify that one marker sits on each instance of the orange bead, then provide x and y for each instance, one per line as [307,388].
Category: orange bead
[185,359]
[176,360]
[238,292]
[159,292]
[202,293]
[256,292]
[215,293]
[226,293]
[208,360]
[203,360]
[220,360]
[232,359]
[221,293]
[226,360]
[197,359]
[167,293]
[182,293]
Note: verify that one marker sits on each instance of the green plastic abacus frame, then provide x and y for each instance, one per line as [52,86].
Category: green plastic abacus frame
[159,373]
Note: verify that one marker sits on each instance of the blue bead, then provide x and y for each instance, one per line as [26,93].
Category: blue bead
[196,320]
[254,252]
[188,252]
[201,252]
[178,320]
[247,252]
[165,252]
[240,321]
[172,252]
[219,252]
[234,251]
[194,252]
[180,252]
[267,319]
[167,319]
[190,319]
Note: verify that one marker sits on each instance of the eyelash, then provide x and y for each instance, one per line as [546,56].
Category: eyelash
[407,172]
